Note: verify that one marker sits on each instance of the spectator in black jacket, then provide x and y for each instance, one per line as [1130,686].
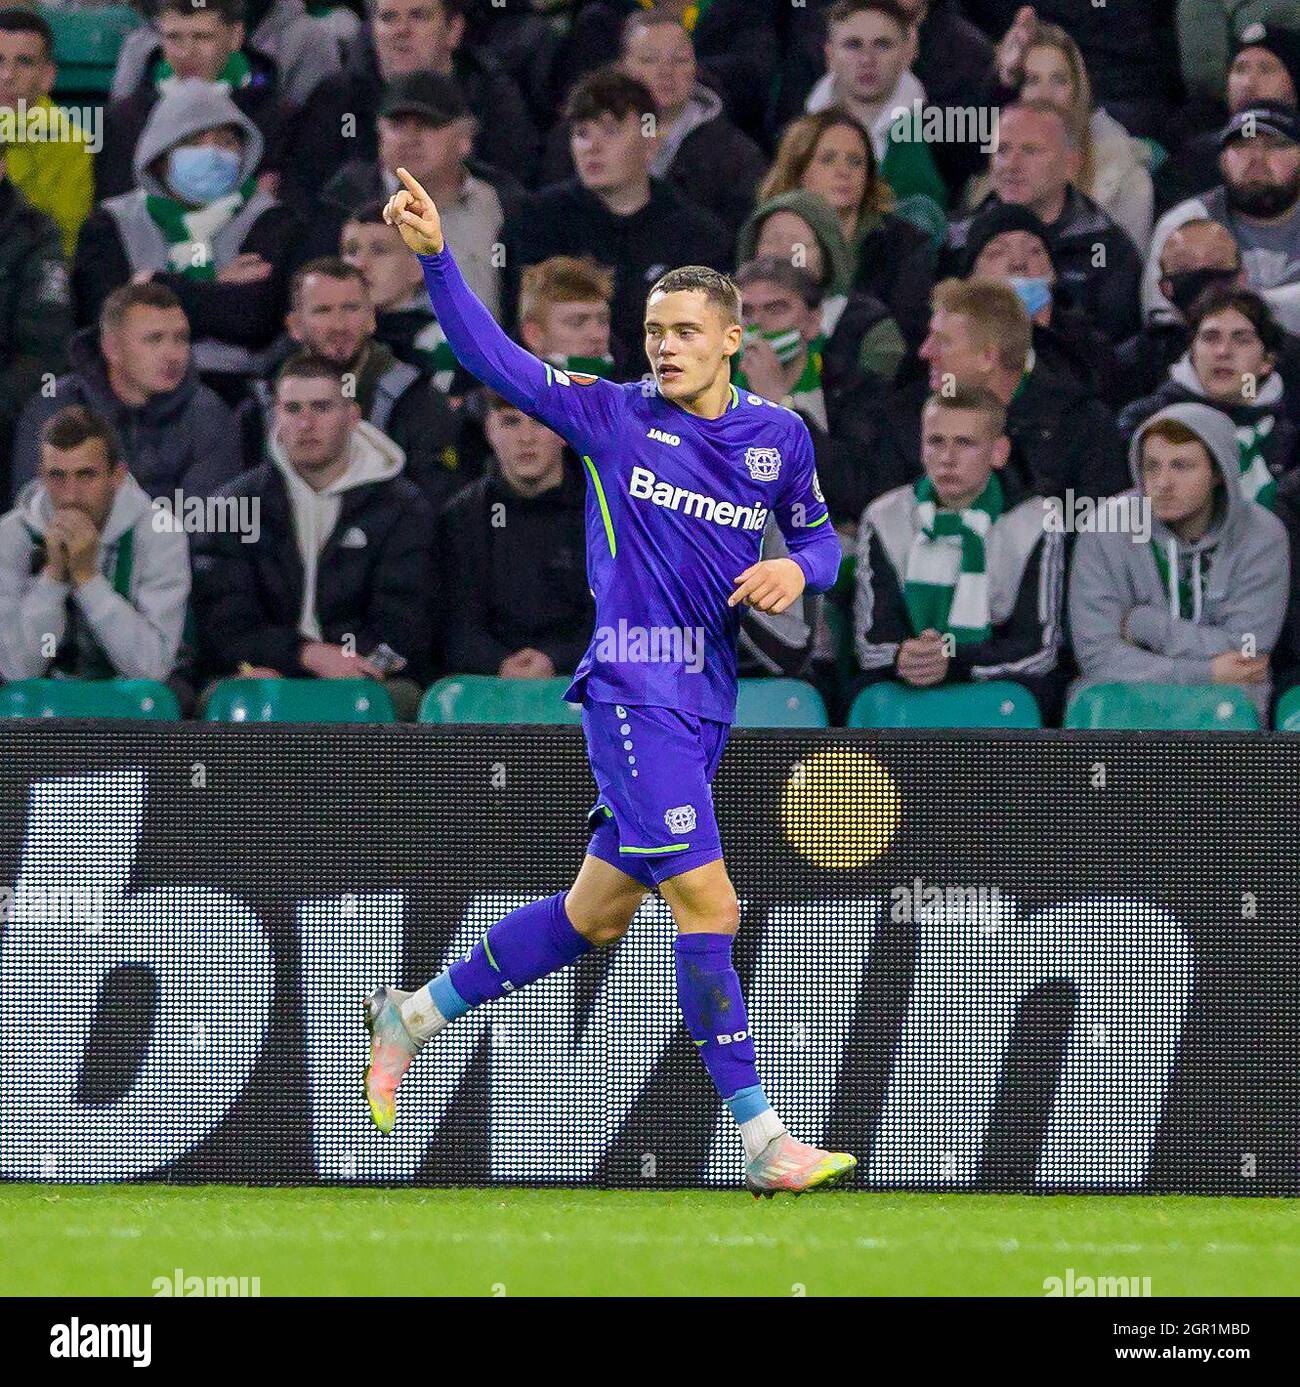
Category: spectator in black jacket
[735,40]
[1230,365]
[613,210]
[330,316]
[197,223]
[135,370]
[35,307]
[830,154]
[1009,243]
[697,147]
[1063,439]
[1036,163]
[341,562]
[513,557]
[206,42]
[426,128]
[401,37]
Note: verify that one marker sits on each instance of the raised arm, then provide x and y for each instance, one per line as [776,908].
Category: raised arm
[575,406]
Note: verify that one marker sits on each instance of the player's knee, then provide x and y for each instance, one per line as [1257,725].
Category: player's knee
[606,925]
[720,916]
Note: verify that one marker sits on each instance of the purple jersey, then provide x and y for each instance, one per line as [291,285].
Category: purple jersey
[676,507]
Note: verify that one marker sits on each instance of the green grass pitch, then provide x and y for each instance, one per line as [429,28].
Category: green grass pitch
[115,1240]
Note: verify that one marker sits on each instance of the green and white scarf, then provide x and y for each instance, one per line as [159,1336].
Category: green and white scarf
[189,230]
[1257,482]
[1183,581]
[946,586]
[235,74]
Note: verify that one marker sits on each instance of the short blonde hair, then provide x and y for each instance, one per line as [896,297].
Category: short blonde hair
[997,317]
[562,279]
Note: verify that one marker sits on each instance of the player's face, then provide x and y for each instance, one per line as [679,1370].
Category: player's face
[414,34]
[837,170]
[529,453]
[575,329]
[687,343]
[333,318]
[1228,357]
[1015,254]
[313,423]
[959,452]
[1256,75]
[150,349]
[26,73]
[609,152]
[391,272]
[867,54]
[787,236]
[198,45]
[954,353]
[1178,477]
[663,58]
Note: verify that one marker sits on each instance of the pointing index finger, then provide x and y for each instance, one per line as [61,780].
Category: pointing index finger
[414,187]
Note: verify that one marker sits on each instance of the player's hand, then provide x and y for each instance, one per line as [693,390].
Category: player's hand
[769,585]
[412,212]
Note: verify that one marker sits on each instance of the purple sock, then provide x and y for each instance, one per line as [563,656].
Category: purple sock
[527,944]
[708,992]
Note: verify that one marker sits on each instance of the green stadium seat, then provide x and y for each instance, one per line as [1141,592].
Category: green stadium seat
[299,700]
[485,698]
[1287,718]
[88,698]
[779,703]
[996,703]
[86,45]
[1163,707]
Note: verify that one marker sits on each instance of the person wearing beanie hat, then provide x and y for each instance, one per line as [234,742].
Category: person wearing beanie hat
[197,222]
[1257,200]
[1009,243]
[1264,66]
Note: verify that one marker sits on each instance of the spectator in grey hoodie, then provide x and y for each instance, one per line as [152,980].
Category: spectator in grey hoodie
[90,586]
[136,371]
[1197,594]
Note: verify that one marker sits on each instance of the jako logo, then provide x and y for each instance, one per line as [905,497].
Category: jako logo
[77,1340]
[661,437]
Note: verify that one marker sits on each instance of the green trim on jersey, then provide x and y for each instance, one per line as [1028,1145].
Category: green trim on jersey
[604,508]
[645,852]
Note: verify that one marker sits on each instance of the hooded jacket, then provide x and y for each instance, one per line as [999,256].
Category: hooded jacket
[570,220]
[184,438]
[303,48]
[1266,418]
[233,324]
[139,632]
[702,154]
[1239,568]
[126,118]
[354,560]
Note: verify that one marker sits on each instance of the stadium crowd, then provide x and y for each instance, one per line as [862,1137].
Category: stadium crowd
[1030,274]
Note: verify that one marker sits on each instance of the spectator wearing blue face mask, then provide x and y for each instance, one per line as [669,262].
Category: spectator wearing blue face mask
[1009,243]
[197,223]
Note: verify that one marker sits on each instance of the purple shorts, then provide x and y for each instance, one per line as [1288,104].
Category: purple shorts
[653,767]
